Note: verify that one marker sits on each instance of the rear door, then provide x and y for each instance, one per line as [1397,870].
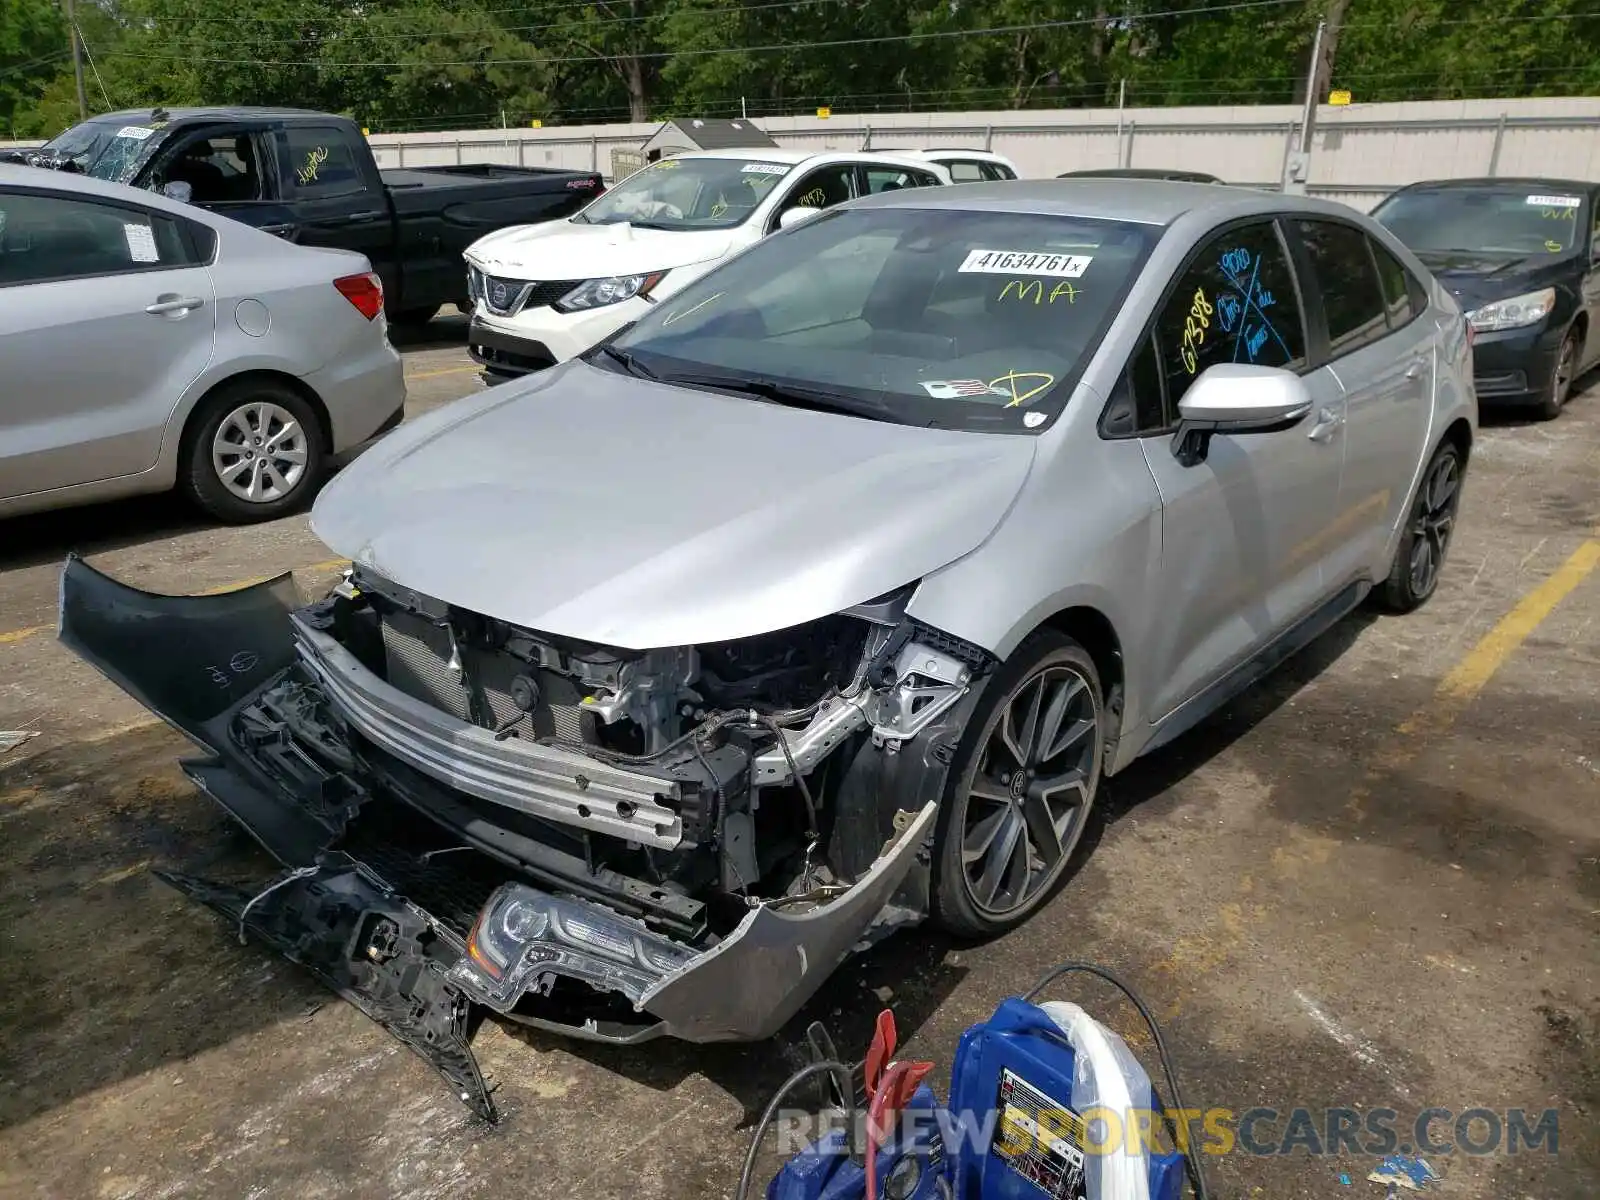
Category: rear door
[332,187]
[1242,531]
[107,316]
[1382,356]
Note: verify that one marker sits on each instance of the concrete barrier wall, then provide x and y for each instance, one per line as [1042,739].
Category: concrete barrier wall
[1360,152]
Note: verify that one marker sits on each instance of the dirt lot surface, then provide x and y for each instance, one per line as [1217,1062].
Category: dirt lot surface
[1373,882]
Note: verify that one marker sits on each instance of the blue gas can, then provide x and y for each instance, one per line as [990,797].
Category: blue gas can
[1008,1132]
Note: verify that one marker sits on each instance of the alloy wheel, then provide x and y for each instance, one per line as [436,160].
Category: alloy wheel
[259,452]
[1432,523]
[1030,793]
[1561,381]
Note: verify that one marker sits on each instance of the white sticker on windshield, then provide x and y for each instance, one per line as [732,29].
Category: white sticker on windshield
[955,389]
[1027,262]
[141,243]
[1555,201]
[137,132]
[1033,420]
[764,169]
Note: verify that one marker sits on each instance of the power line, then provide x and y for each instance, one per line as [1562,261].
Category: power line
[315,23]
[834,44]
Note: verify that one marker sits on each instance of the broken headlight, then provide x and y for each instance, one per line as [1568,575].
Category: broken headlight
[523,934]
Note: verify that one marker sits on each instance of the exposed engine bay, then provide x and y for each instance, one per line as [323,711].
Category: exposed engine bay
[617,844]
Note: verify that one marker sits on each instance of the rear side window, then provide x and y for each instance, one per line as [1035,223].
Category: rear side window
[1400,290]
[322,162]
[54,236]
[995,172]
[1352,298]
[964,170]
[1235,303]
[891,179]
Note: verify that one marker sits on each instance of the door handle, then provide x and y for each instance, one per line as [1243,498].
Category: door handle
[1415,370]
[1328,422]
[284,230]
[168,305]
[357,218]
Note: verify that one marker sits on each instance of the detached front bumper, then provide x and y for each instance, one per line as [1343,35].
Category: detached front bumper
[391,878]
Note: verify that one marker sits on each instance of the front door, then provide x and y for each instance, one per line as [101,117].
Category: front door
[107,315]
[1243,531]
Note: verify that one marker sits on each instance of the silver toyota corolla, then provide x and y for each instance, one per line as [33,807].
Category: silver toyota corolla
[819,601]
[146,344]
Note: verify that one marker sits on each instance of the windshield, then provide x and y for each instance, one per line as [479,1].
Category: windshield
[688,193]
[106,151]
[1496,223]
[964,320]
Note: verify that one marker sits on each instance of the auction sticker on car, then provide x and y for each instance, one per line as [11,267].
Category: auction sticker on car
[954,389]
[1026,262]
[1554,201]
[137,132]
[764,169]
[1040,1139]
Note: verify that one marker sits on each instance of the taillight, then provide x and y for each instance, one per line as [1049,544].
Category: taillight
[365,291]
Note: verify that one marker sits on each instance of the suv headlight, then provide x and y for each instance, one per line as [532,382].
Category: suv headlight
[1513,313]
[597,293]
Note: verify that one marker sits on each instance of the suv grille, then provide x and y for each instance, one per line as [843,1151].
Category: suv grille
[505,296]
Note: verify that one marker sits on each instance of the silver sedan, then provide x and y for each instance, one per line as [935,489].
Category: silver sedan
[146,344]
[821,600]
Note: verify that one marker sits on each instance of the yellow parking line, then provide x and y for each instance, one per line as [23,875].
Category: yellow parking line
[330,564]
[444,371]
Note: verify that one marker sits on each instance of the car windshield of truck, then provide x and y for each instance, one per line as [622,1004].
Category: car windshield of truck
[1527,220]
[962,320]
[688,193]
[104,150]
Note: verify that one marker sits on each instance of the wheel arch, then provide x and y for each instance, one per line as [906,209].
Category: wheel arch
[1093,630]
[259,375]
[1459,435]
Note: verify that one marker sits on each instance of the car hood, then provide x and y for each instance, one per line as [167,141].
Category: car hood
[567,250]
[636,514]
[1477,279]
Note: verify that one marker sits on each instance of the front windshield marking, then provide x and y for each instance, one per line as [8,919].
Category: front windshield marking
[687,194]
[974,320]
[1498,223]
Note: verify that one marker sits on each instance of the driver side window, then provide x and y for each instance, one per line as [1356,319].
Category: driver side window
[822,188]
[222,169]
[1234,303]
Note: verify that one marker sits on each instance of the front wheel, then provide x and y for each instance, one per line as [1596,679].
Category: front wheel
[1560,387]
[1021,787]
[254,452]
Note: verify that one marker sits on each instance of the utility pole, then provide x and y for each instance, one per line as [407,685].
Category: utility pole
[1319,75]
[77,63]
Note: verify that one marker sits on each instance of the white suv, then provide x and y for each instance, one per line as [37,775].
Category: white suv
[542,294]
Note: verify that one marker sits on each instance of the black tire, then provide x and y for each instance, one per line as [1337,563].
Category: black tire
[1561,377]
[413,318]
[1048,657]
[200,477]
[1430,524]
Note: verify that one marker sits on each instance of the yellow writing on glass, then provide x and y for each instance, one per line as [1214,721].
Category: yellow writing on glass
[1559,214]
[1195,326]
[1010,383]
[1553,246]
[1026,289]
[313,164]
[815,198]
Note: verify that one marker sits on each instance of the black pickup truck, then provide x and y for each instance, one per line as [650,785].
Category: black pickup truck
[311,178]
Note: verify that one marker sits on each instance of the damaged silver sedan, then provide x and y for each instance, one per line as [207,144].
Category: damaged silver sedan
[814,605]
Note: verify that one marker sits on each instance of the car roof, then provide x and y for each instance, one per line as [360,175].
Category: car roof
[1143,201]
[1502,181]
[230,112]
[87,185]
[785,154]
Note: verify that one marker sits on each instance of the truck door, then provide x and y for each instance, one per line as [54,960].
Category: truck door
[230,169]
[332,188]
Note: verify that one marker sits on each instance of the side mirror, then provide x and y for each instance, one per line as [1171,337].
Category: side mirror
[1237,398]
[177,190]
[797,216]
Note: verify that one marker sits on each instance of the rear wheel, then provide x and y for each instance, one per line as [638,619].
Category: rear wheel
[253,452]
[1419,558]
[1021,787]
[1566,369]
